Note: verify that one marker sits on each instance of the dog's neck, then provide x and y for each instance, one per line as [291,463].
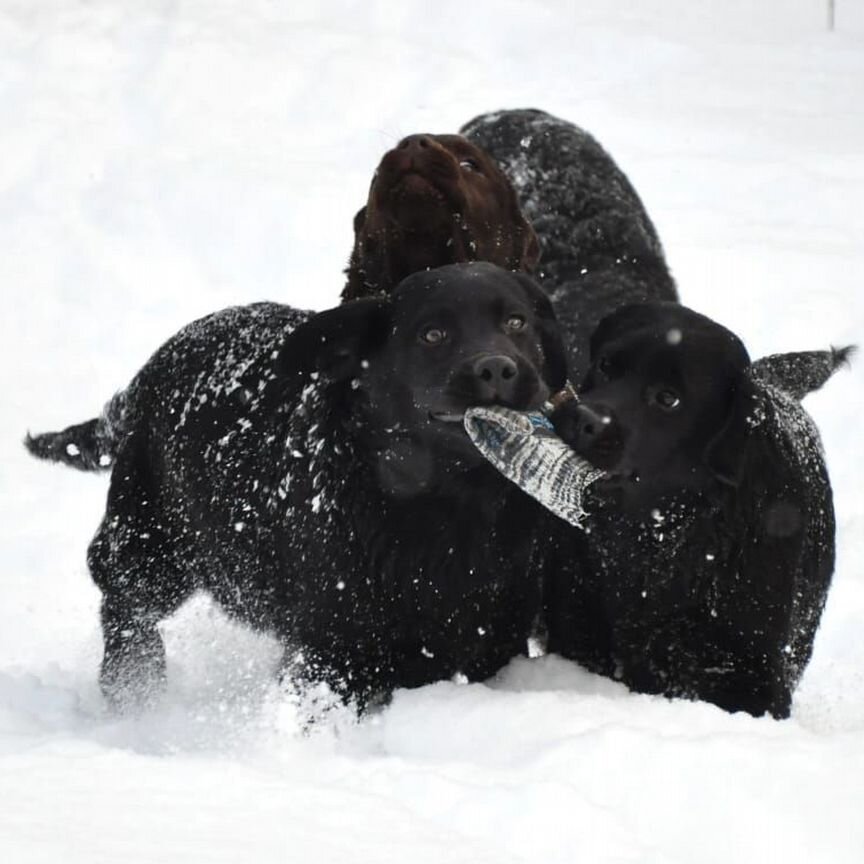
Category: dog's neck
[637,502]
[392,253]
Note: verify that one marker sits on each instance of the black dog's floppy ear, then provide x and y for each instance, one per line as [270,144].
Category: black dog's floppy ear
[551,338]
[336,342]
[724,454]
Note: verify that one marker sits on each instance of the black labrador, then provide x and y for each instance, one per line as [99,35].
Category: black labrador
[599,249]
[709,548]
[320,484]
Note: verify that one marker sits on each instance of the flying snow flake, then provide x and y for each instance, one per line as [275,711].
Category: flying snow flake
[674,336]
[72,450]
[239,526]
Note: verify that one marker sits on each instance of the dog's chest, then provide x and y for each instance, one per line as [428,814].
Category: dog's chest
[664,560]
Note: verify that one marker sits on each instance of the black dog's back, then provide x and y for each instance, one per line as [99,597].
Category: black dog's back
[599,248]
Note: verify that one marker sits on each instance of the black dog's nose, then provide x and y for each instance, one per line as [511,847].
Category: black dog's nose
[496,375]
[415,142]
[591,423]
[591,430]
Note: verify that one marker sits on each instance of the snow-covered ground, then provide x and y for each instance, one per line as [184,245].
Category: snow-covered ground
[163,159]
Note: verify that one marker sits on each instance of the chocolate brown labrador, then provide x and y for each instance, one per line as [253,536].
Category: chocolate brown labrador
[436,200]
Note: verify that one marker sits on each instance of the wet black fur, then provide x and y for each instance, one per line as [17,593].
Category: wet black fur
[598,247]
[708,553]
[302,481]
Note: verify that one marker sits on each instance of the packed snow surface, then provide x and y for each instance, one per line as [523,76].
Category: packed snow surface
[162,160]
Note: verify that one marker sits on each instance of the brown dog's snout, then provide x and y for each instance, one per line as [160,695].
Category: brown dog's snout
[415,143]
[416,154]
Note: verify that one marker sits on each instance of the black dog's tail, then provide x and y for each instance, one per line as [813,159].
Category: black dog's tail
[88,446]
[801,372]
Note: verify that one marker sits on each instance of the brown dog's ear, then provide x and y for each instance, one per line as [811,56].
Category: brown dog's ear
[555,372]
[359,222]
[355,287]
[530,254]
[336,342]
[724,454]
[526,246]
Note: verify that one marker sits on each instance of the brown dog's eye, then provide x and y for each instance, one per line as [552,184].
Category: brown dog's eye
[469,165]
[667,399]
[433,336]
[515,322]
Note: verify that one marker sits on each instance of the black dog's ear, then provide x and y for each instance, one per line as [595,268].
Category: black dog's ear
[555,372]
[336,342]
[724,454]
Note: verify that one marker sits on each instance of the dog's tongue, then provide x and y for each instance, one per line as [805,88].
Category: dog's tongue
[523,446]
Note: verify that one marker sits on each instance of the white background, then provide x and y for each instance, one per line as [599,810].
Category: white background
[159,160]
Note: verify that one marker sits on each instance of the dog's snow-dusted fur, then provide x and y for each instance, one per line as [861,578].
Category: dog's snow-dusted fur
[709,547]
[598,247]
[311,479]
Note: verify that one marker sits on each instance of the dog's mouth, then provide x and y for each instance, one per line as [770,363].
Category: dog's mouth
[413,184]
[447,416]
[623,477]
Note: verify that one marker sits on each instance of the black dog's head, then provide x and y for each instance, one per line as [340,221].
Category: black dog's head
[410,365]
[664,405]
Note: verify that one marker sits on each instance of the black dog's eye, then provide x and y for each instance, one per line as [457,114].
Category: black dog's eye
[469,165]
[604,365]
[515,322]
[666,399]
[433,336]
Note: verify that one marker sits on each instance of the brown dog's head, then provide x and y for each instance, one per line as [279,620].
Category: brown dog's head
[436,200]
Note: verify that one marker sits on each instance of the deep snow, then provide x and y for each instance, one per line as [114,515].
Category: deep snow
[165,159]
